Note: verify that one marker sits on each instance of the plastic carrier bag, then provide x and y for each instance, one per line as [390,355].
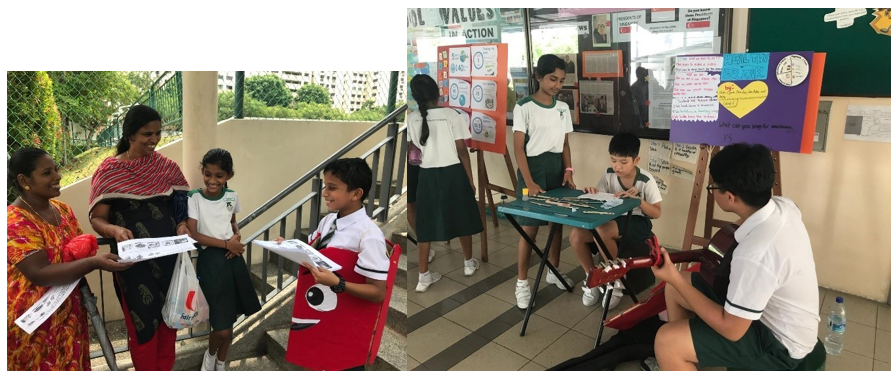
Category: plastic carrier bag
[185,306]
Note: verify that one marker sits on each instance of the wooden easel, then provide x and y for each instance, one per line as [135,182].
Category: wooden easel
[691,239]
[485,189]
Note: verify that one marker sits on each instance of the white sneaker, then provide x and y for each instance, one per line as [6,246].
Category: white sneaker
[552,279]
[522,294]
[615,299]
[470,266]
[427,279]
[432,254]
[590,297]
[220,366]
[208,362]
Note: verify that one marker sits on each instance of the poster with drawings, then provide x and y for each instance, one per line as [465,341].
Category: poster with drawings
[474,79]
[459,61]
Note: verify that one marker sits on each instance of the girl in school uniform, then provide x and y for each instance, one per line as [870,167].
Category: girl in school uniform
[222,272]
[446,204]
[540,143]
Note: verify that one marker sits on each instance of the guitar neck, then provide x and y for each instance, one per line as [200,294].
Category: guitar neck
[678,257]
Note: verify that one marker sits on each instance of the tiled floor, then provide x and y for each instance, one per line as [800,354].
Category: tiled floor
[472,323]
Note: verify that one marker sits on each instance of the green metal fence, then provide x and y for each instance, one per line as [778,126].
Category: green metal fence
[76,116]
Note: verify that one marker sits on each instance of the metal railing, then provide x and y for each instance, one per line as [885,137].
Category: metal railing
[381,196]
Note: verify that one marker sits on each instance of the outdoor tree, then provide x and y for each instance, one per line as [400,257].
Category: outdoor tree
[269,88]
[142,80]
[88,99]
[314,93]
[369,104]
[32,119]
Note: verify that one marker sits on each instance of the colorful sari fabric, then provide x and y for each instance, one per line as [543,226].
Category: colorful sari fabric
[143,178]
[60,343]
[148,197]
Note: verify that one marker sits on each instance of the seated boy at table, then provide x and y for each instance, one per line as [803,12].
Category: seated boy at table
[625,180]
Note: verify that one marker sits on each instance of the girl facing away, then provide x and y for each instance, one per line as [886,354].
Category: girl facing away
[446,204]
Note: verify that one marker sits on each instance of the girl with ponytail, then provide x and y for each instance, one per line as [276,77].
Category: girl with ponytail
[445,201]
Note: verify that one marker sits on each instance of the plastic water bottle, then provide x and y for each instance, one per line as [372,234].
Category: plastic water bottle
[833,342]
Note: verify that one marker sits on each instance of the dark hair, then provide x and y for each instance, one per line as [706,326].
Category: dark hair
[137,117]
[218,157]
[547,64]
[625,144]
[745,170]
[424,89]
[23,161]
[354,172]
[640,73]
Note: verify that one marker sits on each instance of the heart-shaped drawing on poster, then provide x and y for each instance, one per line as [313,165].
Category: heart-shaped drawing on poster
[741,102]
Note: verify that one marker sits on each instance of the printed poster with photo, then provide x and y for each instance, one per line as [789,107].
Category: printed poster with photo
[597,97]
[572,73]
[571,97]
[601,30]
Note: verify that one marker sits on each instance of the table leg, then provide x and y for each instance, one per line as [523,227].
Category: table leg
[603,248]
[535,248]
[544,262]
[603,317]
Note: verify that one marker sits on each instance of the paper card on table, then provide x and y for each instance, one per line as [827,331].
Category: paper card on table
[141,249]
[680,172]
[599,196]
[458,93]
[299,252]
[686,152]
[459,62]
[482,127]
[484,94]
[45,306]
[485,61]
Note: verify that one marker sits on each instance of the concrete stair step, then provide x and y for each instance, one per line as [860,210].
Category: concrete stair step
[398,311]
[257,363]
[270,282]
[393,353]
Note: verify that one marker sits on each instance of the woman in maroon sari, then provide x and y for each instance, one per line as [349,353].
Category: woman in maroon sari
[141,194]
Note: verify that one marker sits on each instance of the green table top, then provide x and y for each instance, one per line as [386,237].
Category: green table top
[565,216]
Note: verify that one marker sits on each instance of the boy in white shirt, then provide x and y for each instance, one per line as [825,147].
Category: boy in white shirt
[768,319]
[625,180]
